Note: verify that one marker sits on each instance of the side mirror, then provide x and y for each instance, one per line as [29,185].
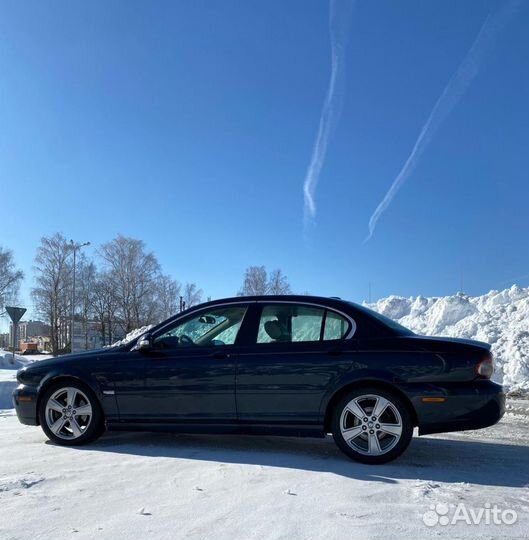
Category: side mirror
[143,344]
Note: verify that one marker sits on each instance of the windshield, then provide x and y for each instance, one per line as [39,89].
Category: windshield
[386,321]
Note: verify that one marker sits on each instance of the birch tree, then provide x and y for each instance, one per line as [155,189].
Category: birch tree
[52,292]
[10,277]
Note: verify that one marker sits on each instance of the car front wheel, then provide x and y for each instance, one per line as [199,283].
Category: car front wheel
[70,414]
[372,425]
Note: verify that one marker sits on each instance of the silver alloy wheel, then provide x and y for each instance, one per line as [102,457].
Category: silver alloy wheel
[68,413]
[371,424]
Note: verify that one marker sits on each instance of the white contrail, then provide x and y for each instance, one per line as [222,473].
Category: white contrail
[338,28]
[451,95]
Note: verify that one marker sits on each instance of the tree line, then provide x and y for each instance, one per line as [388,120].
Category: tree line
[121,288]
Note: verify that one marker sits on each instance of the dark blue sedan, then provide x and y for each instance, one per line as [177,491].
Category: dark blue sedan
[281,365]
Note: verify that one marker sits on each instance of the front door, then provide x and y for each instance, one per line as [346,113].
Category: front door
[190,372]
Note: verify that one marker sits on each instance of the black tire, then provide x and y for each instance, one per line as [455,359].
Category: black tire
[363,433]
[87,428]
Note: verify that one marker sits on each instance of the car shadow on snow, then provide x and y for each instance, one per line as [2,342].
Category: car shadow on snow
[429,459]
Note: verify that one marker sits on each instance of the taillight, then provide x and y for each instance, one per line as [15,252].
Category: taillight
[485,367]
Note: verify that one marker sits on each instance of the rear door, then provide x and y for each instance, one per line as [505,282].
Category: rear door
[292,356]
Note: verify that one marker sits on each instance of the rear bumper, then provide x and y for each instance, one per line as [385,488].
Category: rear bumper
[473,405]
[25,401]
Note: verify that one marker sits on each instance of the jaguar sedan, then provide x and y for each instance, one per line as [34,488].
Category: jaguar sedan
[274,365]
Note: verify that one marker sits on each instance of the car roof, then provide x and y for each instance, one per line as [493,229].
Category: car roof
[301,298]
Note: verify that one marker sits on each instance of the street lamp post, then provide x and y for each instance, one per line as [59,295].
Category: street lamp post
[74,246]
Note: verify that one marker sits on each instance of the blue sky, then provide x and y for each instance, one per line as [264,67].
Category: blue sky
[191,125]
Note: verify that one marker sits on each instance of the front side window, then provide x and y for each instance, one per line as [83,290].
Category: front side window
[298,323]
[216,326]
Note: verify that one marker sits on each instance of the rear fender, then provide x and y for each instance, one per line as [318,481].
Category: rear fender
[359,378]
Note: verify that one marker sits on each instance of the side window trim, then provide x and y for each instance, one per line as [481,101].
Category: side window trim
[323,322]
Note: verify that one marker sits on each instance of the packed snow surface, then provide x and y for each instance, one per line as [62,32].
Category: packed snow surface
[213,487]
[500,318]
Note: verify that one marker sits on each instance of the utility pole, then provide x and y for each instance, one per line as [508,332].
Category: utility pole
[369,296]
[74,246]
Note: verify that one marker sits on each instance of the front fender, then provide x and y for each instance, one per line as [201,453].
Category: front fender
[71,373]
[97,382]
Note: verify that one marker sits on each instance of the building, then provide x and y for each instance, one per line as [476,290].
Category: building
[86,335]
[4,341]
[32,329]
[30,332]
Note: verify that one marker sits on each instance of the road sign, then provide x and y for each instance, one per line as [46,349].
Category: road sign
[15,313]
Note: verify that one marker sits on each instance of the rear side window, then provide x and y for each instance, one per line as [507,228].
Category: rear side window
[336,326]
[280,323]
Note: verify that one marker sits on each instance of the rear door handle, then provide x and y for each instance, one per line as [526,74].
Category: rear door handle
[220,355]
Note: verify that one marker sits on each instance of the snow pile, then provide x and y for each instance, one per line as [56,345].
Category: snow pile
[500,318]
[7,361]
[131,336]
[8,373]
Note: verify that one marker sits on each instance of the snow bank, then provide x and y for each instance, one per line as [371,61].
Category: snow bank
[500,318]
[132,335]
[7,361]
[8,374]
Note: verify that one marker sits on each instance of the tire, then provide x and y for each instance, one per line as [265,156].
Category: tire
[361,435]
[60,413]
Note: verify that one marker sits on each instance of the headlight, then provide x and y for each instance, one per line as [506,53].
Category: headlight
[29,377]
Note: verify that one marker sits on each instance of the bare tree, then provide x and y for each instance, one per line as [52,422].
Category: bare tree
[105,307]
[168,296]
[52,293]
[192,295]
[133,274]
[255,281]
[10,277]
[86,280]
[278,283]
[258,283]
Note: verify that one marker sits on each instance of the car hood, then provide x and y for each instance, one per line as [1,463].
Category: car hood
[84,356]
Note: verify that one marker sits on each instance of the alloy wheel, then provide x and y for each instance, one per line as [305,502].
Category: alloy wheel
[371,424]
[68,413]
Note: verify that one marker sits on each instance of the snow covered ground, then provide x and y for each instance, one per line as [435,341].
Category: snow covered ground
[8,374]
[500,318]
[132,486]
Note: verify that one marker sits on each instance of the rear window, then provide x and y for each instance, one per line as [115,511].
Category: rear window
[386,321]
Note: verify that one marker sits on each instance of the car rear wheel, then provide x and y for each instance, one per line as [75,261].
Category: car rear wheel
[372,425]
[70,414]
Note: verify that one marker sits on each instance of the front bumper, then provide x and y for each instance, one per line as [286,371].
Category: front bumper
[473,405]
[25,401]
